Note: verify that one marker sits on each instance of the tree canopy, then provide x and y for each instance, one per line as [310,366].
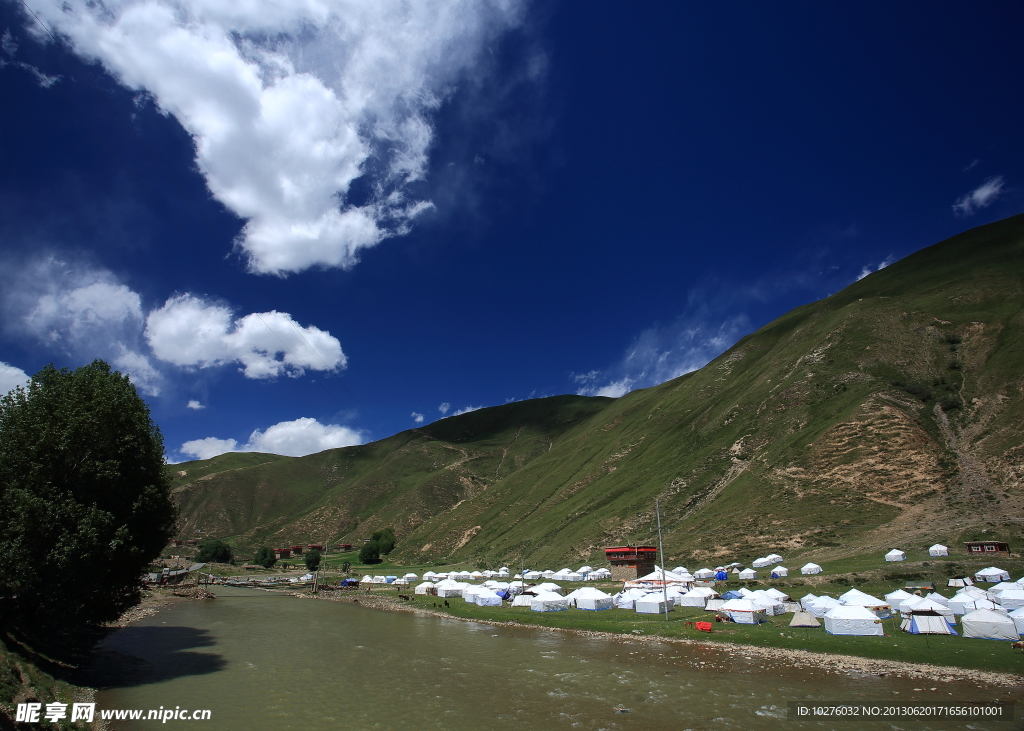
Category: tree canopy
[84,496]
[312,559]
[214,551]
[265,557]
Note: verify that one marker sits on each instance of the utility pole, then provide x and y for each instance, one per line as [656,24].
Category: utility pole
[661,550]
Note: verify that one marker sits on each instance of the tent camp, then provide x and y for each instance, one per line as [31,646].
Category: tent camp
[896,555]
[810,568]
[549,602]
[772,606]
[938,550]
[992,575]
[743,611]
[626,599]
[747,574]
[852,620]
[986,624]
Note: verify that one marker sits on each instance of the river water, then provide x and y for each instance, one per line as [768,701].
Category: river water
[262,661]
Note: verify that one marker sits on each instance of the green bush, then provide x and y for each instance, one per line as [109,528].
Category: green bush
[265,557]
[214,551]
[369,553]
[312,559]
[385,541]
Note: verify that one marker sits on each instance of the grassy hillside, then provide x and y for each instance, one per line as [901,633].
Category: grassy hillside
[889,414]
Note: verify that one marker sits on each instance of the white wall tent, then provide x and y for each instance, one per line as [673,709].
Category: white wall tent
[549,587]
[964,604]
[998,589]
[987,624]
[680,570]
[743,611]
[522,600]
[806,599]
[590,599]
[422,588]
[822,605]
[926,624]
[810,568]
[760,563]
[626,599]
[960,581]
[653,603]
[774,558]
[696,597]
[938,550]
[779,572]
[936,597]
[704,574]
[549,602]
[714,605]
[896,555]
[857,598]
[929,607]
[804,619]
[746,574]
[1011,599]
[1017,615]
[487,598]
[992,575]
[894,598]
[781,596]
[852,620]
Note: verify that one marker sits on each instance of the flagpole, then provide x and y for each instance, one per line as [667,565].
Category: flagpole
[661,550]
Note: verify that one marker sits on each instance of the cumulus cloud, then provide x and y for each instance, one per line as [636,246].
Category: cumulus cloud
[982,196]
[207,448]
[82,312]
[11,376]
[660,354]
[418,418]
[9,49]
[195,405]
[191,331]
[290,103]
[291,438]
[866,269]
[466,410]
[443,408]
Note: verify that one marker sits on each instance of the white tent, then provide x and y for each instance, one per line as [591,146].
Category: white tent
[470,593]
[822,605]
[806,599]
[522,600]
[411,577]
[804,619]
[748,574]
[938,550]
[857,598]
[965,604]
[1017,615]
[927,605]
[896,555]
[532,575]
[995,591]
[760,563]
[772,606]
[926,624]
[487,598]
[680,570]
[986,624]
[704,574]
[1011,599]
[660,574]
[992,575]
[743,611]
[422,588]
[476,575]
[958,581]
[653,603]
[626,599]
[696,597]
[936,597]
[448,588]
[590,599]
[714,605]
[894,598]
[774,558]
[547,574]
[548,587]
[852,620]
[549,602]
[810,568]
[779,572]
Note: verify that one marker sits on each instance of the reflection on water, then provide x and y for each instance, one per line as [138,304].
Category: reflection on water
[261,661]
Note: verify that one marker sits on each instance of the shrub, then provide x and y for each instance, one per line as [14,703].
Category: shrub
[312,559]
[265,557]
[215,551]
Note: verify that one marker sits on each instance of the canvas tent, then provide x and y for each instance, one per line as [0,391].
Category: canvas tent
[779,572]
[927,624]
[896,555]
[422,588]
[927,606]
[986,624]
[549,602]
[652,603]
[894,598]
[746,574]
[760,563]
[852,620]
[743,611]
[857,598]
[704,574]
[806,599]
[696,597]
[992,575]
[1011,599]
[810,568]
[804,619]
[938,550]
[1017,615]
[487,598]
[936,597]
[822,605]
[960,581]
[590,599]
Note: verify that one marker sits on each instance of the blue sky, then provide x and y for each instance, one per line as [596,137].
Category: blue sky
[306,225]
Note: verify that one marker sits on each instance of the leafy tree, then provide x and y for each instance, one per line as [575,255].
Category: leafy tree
[265,557]
[84,496]
[214,551]
[312,559]
[370,552]
[385,540]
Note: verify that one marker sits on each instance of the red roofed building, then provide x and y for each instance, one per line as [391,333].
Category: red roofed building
[631,562]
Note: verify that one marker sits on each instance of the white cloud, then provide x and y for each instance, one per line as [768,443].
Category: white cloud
[9,47]
[207,448]
[443,408]
[418,418]
[866,269]
[660,354]
[10,376]
[195,405]
[466,410]
[982,196]
[191,331]
[288,103]
[291,438]
[83,312]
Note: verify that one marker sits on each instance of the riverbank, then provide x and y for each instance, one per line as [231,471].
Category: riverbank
[722,650]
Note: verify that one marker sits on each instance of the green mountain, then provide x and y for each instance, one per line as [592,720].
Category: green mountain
[888,414]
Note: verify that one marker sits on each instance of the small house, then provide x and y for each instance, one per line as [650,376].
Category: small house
[987,548]
[344,546]
[280,553]
[296,550]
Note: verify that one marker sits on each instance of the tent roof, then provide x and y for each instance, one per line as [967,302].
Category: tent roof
[987,615]
[850,612]
[804,619]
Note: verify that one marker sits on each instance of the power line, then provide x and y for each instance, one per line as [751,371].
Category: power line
[202,216]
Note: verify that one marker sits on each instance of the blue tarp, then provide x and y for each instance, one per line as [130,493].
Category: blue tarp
[722,576]
[732,595]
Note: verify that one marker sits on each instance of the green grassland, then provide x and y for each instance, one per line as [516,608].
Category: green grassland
[887,415]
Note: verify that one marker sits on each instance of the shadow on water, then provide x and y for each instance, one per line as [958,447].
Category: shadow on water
[140,655]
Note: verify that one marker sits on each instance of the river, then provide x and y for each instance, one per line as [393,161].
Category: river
[263,662]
